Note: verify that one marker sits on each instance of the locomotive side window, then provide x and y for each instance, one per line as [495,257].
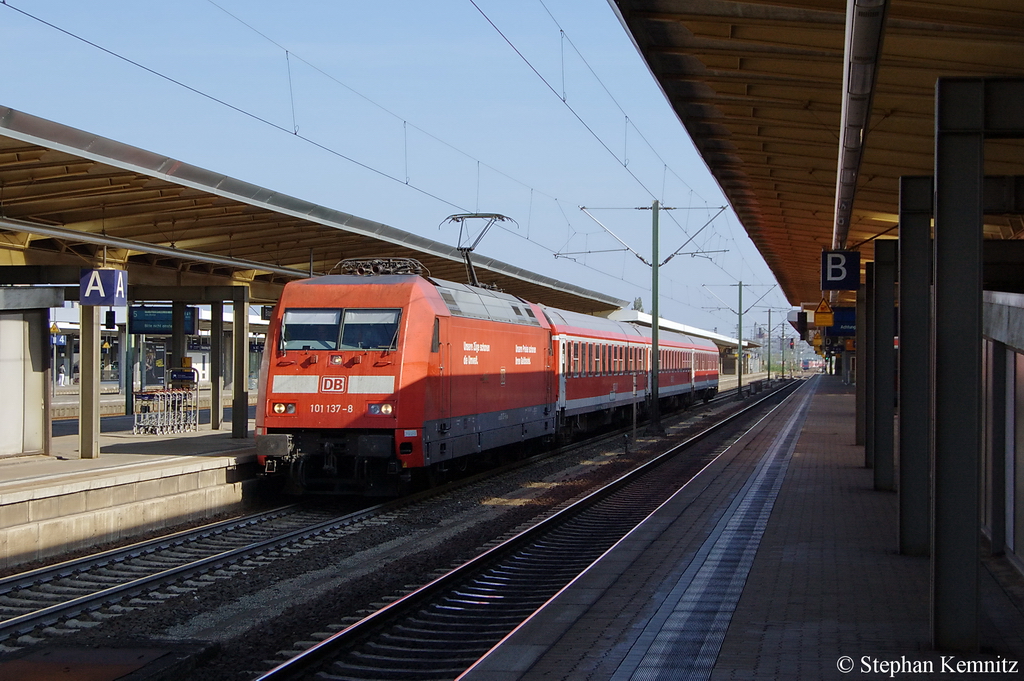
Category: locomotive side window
[310,329]
[370,330]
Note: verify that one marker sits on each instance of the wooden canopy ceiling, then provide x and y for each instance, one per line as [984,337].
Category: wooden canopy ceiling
[759,86]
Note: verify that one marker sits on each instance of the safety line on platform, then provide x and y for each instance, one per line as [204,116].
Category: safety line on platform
[683,639]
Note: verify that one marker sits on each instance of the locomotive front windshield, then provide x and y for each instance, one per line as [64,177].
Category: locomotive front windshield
[349,329]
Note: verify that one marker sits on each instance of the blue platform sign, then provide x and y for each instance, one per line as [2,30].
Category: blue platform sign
[103,287]
[840,270]
[159,320]
[844,322]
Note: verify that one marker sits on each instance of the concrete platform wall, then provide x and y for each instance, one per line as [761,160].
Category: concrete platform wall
[1002,482]
[47,519]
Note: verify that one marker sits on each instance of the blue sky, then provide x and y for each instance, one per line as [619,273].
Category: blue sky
[406,112]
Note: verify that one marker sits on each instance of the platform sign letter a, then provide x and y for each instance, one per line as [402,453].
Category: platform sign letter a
[840,270]
[103,287]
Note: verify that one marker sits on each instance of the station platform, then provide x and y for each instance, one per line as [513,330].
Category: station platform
[778,561]
[50,505]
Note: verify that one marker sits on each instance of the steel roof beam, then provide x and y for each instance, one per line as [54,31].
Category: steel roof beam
[865,26]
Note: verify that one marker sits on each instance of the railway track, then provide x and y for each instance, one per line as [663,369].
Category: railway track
[49,594]
[439,630]
[121,580]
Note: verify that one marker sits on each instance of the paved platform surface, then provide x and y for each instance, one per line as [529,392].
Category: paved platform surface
[123,449]
[726,582]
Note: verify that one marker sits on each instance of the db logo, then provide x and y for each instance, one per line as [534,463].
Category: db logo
[332,384]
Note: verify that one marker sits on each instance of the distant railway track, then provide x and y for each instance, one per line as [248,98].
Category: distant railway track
[49,594]
[123,578]
[439,630]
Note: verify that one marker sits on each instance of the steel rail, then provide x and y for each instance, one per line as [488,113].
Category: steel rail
[331,646]
[67,568]
[53,613]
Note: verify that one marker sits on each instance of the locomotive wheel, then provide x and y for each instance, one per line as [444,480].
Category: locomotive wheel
[438,474]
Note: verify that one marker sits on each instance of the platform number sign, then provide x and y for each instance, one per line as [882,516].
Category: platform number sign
[103,287]
[840,270]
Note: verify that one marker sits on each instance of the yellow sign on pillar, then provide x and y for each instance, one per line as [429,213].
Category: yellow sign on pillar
[816,341]
[823,315]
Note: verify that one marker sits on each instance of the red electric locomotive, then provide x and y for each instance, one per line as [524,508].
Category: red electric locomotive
[367,380]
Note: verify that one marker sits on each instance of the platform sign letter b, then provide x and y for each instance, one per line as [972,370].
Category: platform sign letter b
[840,270]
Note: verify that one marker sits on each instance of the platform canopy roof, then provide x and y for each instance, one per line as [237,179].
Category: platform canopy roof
[759,85]
[68,197]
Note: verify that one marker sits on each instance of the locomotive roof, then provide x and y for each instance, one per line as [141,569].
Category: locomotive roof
[481,303]
[475,302]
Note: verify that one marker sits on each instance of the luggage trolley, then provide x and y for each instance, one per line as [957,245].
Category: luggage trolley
[171,410]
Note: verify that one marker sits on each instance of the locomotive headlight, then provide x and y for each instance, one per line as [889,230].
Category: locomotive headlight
[386,409]
[380,409]
[336,360]
[284,407]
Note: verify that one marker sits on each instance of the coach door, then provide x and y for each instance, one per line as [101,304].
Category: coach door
[563,369]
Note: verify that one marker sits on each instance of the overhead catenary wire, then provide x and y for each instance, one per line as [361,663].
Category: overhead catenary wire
[565,38]
[293,129]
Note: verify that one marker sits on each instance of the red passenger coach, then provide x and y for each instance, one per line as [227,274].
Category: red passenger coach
[605,365]
[367,380]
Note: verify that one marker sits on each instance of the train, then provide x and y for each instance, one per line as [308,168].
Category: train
[375,380]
